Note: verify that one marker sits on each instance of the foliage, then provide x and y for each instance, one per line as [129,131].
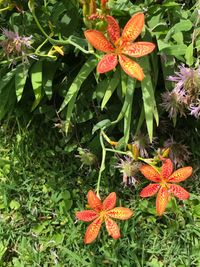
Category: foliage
[48,71]
[41,190]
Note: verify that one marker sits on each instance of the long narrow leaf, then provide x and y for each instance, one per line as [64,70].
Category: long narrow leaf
[111,88]
[80,78]
[36,80]
[20,80]
[129,99]
[149,102]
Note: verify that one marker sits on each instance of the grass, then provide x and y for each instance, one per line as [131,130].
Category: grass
[40,190]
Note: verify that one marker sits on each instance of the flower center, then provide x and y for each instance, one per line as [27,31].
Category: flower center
[103,214]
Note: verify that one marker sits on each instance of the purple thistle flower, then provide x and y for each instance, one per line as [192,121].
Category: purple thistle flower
[179,153]
[128,167]
[195,110]
[16,45]
[173,103]
[185,94]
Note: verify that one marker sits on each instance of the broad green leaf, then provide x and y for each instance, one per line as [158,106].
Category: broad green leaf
[175,50]
[20,80]
[178,37]
[189,55]
[80,78]
[170,3]
[182,26]
[36,80]
[14,205]
[111,88]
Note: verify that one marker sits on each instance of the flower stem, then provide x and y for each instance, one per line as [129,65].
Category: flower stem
[102,167]
[68,41]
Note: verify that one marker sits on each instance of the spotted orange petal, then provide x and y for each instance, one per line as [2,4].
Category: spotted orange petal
[161,200]
[87,215]
[93,230]
[113,29]
[150,173]
[138,49]
[180,174]
[133,27]
[131,68]
[112,228]
[98,41]
[110,202]
[178,191]
[107,63]
[150,190]
[94,202]
[167,168]
[120,213]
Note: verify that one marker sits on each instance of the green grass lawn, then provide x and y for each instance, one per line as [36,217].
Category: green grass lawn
[41,188]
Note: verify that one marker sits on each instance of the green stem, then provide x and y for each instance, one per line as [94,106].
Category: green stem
[5,8]
[61,41]
[116,151]
[102,167]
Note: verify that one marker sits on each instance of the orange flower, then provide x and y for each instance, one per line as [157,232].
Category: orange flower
[118,47]
[163,183]
[102,212]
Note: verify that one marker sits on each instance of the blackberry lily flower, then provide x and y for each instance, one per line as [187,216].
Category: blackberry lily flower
[163,183]
[102,212]
[118,47]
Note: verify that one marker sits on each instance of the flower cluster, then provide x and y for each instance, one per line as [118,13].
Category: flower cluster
[16,45]
[185,95]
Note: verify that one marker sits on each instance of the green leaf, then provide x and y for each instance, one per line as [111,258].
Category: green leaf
[170,3]
[129,99]
[36,80]
[7,98]
[111,88]
[189,55]
[101,125]
[101,89]
[149,102]
[140,121]
[14,205]
[182,26]
[175,50]
[48,75]
[20,80]
[80,78]
[7,78]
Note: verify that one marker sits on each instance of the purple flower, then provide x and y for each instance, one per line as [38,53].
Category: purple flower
[16,45]
[128,167]
[195,110]
[173,103]
[186,93]
[178,152]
